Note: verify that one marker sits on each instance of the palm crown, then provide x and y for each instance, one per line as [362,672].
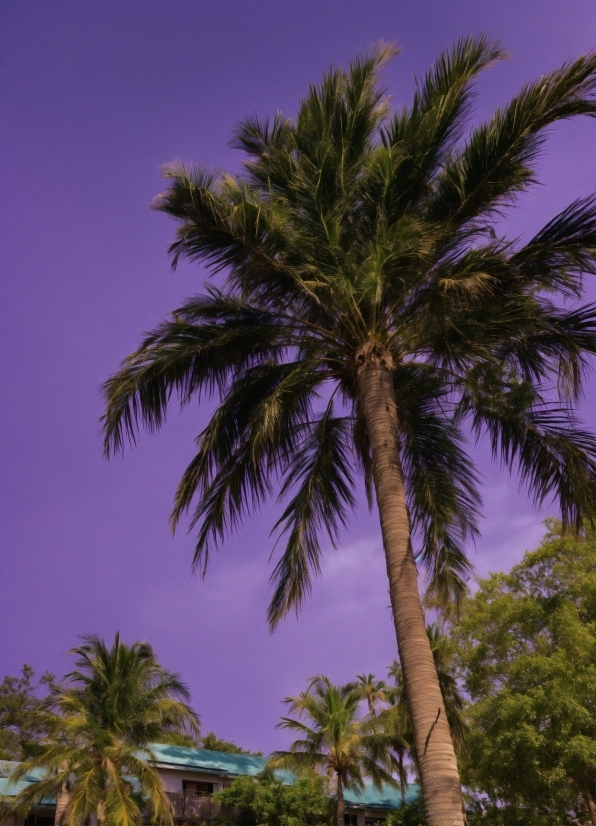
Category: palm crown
[102,721]
[370,316]
[353,228]
[335,739]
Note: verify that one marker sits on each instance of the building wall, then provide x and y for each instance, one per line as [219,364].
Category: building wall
[172,779]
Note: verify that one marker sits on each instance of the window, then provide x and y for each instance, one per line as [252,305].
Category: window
[351,820]
[196,788]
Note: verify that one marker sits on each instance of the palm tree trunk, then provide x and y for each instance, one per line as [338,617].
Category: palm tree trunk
[341,808]
[62,801]
[439,777]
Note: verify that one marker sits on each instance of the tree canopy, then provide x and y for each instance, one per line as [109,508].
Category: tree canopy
[20,728]
[269,802]
[101,721]
[334,739]
[214,743]
[371,313]
[528,659]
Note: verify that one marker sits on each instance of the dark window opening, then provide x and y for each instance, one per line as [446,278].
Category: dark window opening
[39,820]
[351,820]
[196,788]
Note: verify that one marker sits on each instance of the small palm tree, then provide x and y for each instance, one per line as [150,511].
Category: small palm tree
[371,690]
[102,721]
[334,739]
[370,314]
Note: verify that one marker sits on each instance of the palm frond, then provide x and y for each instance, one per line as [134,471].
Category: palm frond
[557,256]
[251,438]
[441,479]
[497,162]
[321,470]
[555,458]
[555,343]
[421,137]
[267,405]
[195,352]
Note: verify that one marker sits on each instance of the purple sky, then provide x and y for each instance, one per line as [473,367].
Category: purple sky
[95,97]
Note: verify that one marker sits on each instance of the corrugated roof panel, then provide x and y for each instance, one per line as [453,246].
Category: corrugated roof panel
[218,762]
[250,765]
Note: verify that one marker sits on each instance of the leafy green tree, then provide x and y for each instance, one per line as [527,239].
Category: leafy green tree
[371,314]
[101,723]
[269,802]
[214,743]
[20,730]
[528,657]
[335,740]
[408,814]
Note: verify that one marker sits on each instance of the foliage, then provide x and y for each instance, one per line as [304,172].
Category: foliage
[354,227]
[528,659]
[20,729]
[335,740]
[408,814]
[214,743]
[356,236]
[101,721]
[374,692]
[270,802]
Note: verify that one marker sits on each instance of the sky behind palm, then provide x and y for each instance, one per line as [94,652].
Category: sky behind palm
[95,96]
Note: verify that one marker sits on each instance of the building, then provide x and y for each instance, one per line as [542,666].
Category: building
[191,776]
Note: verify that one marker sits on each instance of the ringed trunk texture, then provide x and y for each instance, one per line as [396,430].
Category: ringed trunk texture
[439,776]
[341,807]
[62,802]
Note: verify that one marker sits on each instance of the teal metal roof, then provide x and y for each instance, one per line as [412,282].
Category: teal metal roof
[217,762]
[223,763]
[385,798]
[10,789]
[250,765]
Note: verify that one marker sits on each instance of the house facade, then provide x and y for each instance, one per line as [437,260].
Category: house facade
[192,776]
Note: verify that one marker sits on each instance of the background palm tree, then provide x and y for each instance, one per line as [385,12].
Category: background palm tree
[371,690]
[102,721]
[371,314]
[335,739]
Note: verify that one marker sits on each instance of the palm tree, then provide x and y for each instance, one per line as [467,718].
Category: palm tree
[334,739]
[371,313]
[371,690]
[102,721]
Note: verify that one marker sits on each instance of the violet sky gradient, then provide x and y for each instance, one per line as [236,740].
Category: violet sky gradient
[95,97]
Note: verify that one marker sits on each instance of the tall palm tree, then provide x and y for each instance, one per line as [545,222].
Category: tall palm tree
[453,700]
[102,721]
[370,313]
[335,739]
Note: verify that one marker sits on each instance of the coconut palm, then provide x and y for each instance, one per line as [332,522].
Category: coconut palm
[334,739]
[102,721]
[453,700]
[371,690]
[371,314]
